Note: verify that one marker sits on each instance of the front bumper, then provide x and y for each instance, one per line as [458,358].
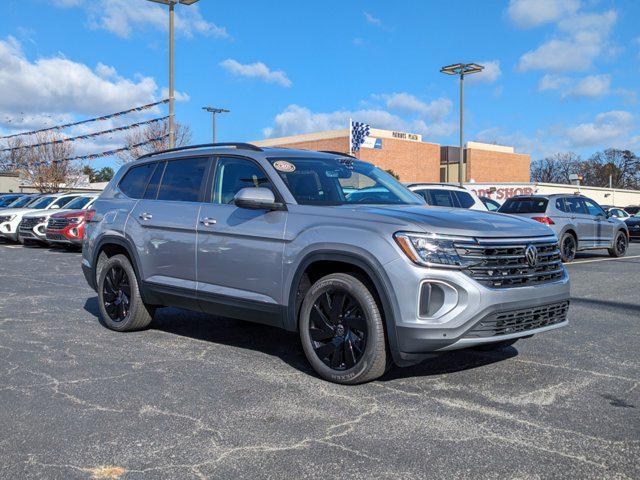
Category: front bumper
[473,303]
[9,230]
[35,233]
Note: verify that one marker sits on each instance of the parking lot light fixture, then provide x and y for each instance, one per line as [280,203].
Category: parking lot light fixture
[172,4]
[461,69]
[214,111]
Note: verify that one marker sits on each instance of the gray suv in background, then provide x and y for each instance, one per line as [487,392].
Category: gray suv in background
[276,236]
[579,222]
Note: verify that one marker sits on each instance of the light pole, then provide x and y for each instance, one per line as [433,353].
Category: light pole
[461,69]
[213,111]
[172,4]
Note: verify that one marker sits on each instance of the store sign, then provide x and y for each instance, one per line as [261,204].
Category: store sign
[405,136]
[372,142]
[501,192]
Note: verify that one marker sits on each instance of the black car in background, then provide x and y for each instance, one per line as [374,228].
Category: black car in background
[634,227]
[632,209]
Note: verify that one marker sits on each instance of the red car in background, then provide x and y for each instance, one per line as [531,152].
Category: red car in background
[67,228]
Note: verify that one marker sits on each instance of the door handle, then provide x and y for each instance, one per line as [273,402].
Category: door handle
[207,222]
[146,216]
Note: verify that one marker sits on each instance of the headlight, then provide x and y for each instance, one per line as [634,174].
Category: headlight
[430,249]
[76,220]
[6,218]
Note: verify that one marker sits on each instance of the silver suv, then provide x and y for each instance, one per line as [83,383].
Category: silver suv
[269,235]
[579,222]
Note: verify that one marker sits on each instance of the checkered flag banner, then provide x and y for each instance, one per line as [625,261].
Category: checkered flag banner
[359,132]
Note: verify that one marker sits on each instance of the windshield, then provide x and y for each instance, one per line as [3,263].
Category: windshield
[4,201]
[341,181]
[524,205]
[43,202]
[79,203]
[21,202]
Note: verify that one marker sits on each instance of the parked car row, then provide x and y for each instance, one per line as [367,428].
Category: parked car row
[46,219]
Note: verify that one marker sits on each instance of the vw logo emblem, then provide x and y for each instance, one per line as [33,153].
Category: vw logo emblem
[531,255]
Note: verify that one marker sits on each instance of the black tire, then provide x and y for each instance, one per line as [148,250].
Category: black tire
[121,306]
[353,328]
[568,247]
[620,245]
[488,347]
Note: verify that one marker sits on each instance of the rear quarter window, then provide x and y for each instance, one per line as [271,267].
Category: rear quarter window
[525,205]
[135,180]
[465,199]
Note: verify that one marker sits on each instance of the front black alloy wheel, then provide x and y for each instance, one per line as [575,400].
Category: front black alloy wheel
[116,294]
[341,329]
[338,329]
[620,245]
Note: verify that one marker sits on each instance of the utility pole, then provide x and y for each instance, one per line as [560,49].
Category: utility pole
[214,111]
[461,69]
[172,4]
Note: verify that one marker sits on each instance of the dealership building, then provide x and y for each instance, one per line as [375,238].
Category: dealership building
[415,160]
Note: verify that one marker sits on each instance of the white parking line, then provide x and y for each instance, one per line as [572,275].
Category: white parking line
[601,260]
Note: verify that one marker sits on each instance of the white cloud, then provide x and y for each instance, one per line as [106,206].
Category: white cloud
[57,85]
[358,41]
[591,86]
[583,38]
[532,13]
[372,20]
[295,120]
[405,102]
[256,70]
[608,129]
[490,74]
[122,17]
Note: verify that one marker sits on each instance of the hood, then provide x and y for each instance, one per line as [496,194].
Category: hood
[16,211]
[632,221]
[40,212]
[460,221]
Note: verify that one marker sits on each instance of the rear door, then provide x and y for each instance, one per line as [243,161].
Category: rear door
[163,224]
[604,227]
[585,224]
[240,250]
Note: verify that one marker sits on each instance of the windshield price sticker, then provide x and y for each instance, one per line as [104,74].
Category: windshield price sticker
[284,166]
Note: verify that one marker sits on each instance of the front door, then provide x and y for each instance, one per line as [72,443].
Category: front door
[240,250]
[580,217]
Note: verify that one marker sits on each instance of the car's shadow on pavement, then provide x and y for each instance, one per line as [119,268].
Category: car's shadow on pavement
[286,345]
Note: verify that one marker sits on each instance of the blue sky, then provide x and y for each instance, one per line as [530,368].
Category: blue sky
[561,74]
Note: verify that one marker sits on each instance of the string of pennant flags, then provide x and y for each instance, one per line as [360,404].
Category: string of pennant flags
[93,156]
[88,135]
[96,119]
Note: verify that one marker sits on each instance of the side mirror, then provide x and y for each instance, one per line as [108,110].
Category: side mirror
[257,198]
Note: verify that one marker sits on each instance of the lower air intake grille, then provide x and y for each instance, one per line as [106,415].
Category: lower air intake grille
[515,321]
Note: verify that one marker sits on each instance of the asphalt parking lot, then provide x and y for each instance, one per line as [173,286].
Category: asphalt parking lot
[197,396]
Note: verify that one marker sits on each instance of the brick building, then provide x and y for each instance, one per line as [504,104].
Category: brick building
[414,160]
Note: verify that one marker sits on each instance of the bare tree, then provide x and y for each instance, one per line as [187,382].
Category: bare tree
[556,168]
[43,167]
[151,132]
[623,166]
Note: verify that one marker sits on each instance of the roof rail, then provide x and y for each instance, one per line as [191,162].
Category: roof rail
[338,153]
[237,145]
[442,184]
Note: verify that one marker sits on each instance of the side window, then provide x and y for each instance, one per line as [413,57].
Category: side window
[593,208]
[465,200]
[441,198]
[560,205]
[234,174]
[61,202]
[135,180]
[182,179]
[151,193]
[575,205]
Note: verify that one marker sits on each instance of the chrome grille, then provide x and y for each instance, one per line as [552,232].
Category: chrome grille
[505,265]
[516,321]
[57,223]
[29,223]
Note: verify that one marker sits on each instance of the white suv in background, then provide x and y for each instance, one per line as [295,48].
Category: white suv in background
[34,224]
[447,195]
[10,218]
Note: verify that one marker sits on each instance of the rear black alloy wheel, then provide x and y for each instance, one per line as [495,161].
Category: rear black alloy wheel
[341,329]
[620,245]
[119,301]
[568,247]
[116,294]
[338,329]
